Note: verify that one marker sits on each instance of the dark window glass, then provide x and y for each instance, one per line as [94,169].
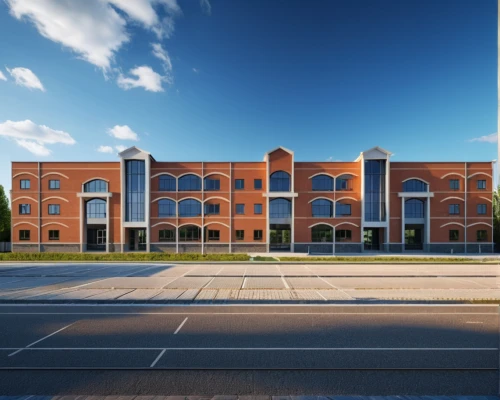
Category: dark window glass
[53,235]
[24,209]
[166,183]
[453,234]
[257,183]
[54,209]
[166,208]
[482,235]
[135,188]
[414,208]
[257,208]
[240,235]
[96,186]
[322,183]
[167,235]
[240,209]
[279,182]
[343,234]
[54,184]
[239,184]
[96,208]
[481,209]
[212,184]
[212,209]
[343,182]
[24,234]
[454,184]
[213,235]
[342,209]
[322,233]
[189,208]
[454,209]
[25,184]
[414,185]
[257,234]
[322,208]
[189,183]
[481,184]
[189,233]
[280,208]
[374,196]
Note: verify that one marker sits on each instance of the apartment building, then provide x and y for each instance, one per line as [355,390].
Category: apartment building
[140,204]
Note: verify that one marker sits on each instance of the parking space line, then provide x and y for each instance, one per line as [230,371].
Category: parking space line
[324,298]
[158,358]
[180,326]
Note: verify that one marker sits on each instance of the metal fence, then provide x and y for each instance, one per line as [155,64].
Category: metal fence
[5,247]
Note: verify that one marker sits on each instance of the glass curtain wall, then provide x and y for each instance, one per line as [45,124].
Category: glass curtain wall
[375,171]
[135,182]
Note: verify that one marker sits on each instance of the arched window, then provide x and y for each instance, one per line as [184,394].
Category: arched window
[96,208]
[279,182]
[414,208]
[280,208]
[166,208]
[189,183]
[166,183]
[343,182]
[95,186]
[322,208]
[189,208]
[322,183]
[415,185]
[189,233]
[322,233]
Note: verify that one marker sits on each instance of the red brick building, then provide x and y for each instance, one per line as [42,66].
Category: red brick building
[140,204]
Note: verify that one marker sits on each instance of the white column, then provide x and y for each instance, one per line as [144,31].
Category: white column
[81,224]
[334,243]
[107,224]
[402,223]
[292,234]
[147,202]
[428,224]
[230,208]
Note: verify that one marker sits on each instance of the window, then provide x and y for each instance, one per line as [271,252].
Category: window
[54,209]
[343,234]
[213,235]
[24,235]
[166,183]
[189,183]
[322,233]
[240,209]
[189,208]
[189,233]
[54,184]
[454,184]
[257,208]
[342,209]
[24,209]
[240,235]
[481,209]
[95,186]
[454,209]
[53,235]
[279,182]
[257,183]
[239,184]
[322,183]
[280,208]
[212,184]
[322,208]
[96,208]
[481,184]
[167,235]
[166,208]
[415,185]
[257,234]
[482,235]
[25,184]
[343,182]
[453,234]
[414,208]
[135,191]
[212,209]
[374,191]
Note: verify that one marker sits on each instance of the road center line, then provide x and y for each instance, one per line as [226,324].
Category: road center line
[180,326]
[158,358]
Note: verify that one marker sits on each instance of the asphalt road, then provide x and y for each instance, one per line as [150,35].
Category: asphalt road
[208,350]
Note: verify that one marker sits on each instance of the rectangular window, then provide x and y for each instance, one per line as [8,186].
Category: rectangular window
[453,234]
[212,209]
[343,184]
[212,184]
[454,209]
[257,208]
[257,183]
[482,235]
[135,189]
[167,235]
[239,184]
[54,209]
[213,235]
[481,184]
[343,234]
[24,209]
[240,209]
[454,184]
[240,235]
[481,209]
[54,184]
[24,235]
[25,183]
[53,235]
[257,234]
[342,210]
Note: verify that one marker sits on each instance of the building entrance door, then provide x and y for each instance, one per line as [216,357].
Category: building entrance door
[96,239]
[137,240]
[414,238]
[371,238]
[280,237]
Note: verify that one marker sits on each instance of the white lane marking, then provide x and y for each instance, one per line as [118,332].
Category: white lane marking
[244,282]
[211,280]
[158,358]
[257,348]
[284,282]
[474,322]
[180,326]
[39,340]
[324,298]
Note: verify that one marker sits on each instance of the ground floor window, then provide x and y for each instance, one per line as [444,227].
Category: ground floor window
[342,235]
[213,235]
[257,234]
[54,235]
[189,233]
[453,234]
[167,235]
[24,235]
[482,235]
[322,233]
[240,235]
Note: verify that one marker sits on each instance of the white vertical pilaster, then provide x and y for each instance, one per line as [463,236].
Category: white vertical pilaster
[402,223]
[82,222]
[122,204]
[107,224]
[230,207]
[428,223]
[202,210]
[387,201]
[465,207]
[147,202]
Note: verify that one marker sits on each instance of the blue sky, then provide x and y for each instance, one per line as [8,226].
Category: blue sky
[232,79]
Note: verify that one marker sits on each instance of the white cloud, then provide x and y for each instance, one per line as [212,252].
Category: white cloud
[493,138]
[206,7]
[196,70]
[34,137]
[26,77]
[2,76]
[162,54]
[105,149]
[145,78]
[123,132]
[120,148]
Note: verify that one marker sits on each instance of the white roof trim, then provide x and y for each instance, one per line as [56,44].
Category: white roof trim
[135,148]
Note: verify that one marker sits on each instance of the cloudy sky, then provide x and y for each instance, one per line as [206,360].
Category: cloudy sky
[229,80]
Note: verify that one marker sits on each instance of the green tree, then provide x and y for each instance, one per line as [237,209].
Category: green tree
[4,216]
[496,216]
